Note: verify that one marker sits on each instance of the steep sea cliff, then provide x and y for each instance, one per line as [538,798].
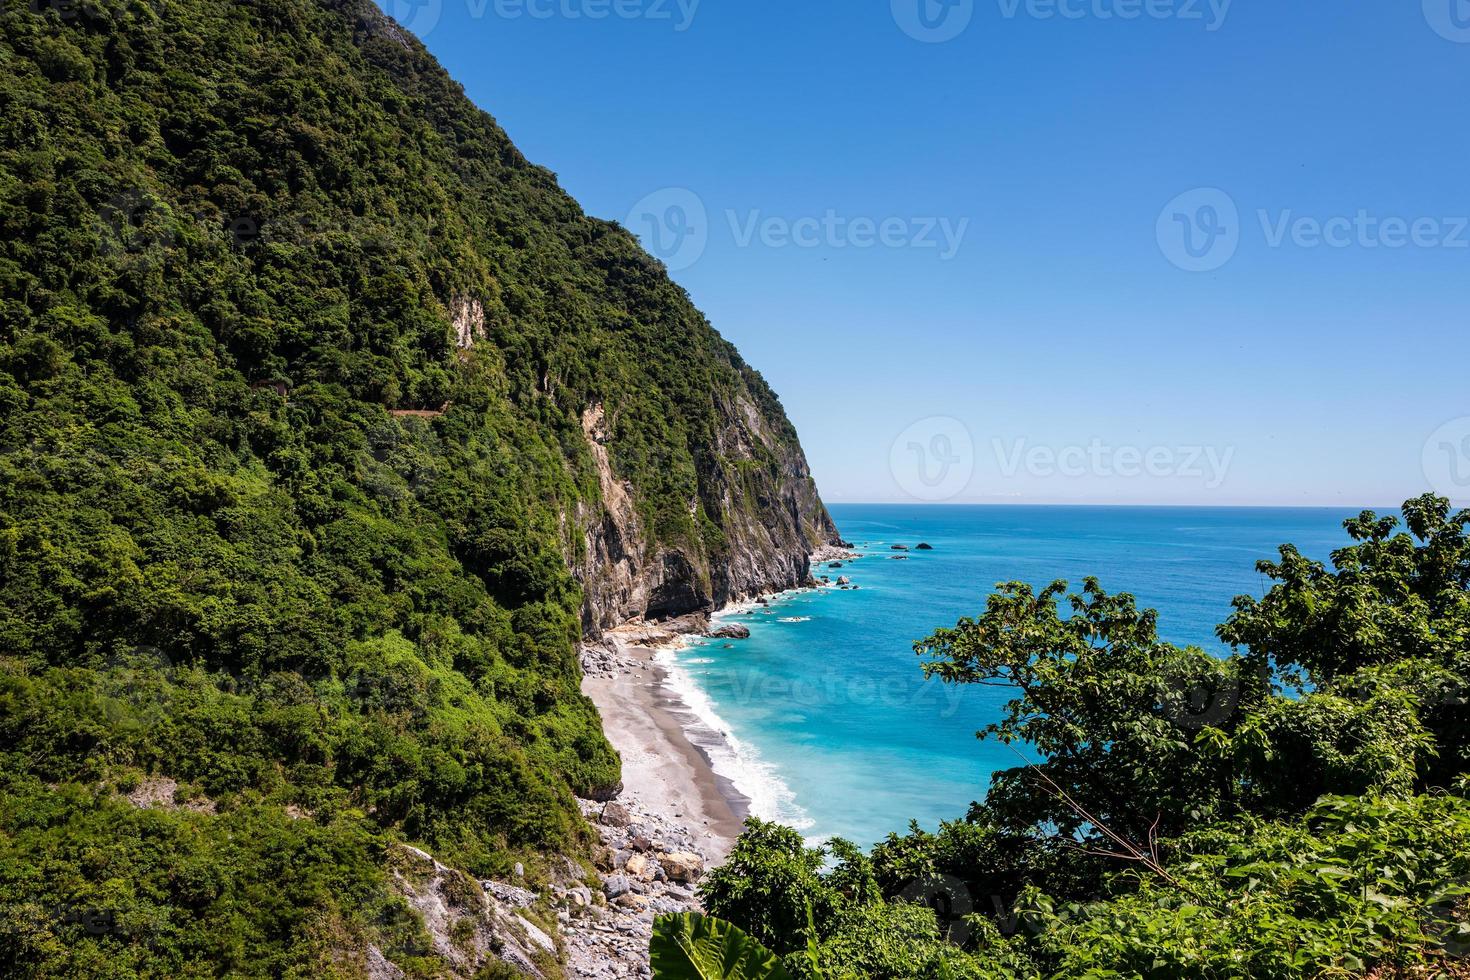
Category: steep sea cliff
[756,486]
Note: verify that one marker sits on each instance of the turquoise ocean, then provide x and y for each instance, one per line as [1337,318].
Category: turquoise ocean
[823,719]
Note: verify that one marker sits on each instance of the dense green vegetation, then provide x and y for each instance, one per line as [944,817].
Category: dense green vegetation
[1296,810]
[256,624]
[235,239]
[690,946]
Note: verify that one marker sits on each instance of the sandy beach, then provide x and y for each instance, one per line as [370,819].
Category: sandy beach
[663,770]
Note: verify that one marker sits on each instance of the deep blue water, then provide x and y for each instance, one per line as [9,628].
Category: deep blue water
[832,727]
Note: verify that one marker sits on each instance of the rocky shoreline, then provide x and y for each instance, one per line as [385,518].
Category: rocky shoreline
[650,866]
[671,819]
[674,816]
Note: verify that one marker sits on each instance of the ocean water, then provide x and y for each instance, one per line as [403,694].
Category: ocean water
[828,724]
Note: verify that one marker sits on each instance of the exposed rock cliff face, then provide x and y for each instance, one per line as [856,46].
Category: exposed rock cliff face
[754,485]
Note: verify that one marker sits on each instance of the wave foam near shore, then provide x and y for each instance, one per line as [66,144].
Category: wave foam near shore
[730,756]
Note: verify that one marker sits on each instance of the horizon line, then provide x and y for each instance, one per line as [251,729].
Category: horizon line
[1118,504]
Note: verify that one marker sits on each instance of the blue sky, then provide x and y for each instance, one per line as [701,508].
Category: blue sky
[1106,251]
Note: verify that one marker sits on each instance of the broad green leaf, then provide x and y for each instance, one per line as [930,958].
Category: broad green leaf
[691,946]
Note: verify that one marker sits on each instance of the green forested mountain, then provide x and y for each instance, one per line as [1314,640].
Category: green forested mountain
[312,396]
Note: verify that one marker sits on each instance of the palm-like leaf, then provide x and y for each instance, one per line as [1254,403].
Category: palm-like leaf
[697,947]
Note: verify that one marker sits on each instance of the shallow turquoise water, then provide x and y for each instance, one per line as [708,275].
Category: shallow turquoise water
[829,723]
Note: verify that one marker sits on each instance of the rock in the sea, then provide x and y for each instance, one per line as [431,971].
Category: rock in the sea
[835,564]
[899,547]
[923,547]
[730,631]
[692,623]
[615,885]
[682,866]
[900,557]
[844,580]
[616,815]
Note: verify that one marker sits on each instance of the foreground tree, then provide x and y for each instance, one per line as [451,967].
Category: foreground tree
[1294,810]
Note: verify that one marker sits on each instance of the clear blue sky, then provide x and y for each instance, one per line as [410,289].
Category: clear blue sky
[1063,351]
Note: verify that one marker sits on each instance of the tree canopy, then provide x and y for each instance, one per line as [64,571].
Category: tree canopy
[1297,809]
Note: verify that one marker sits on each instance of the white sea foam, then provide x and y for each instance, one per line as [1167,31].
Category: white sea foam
[730,756]
[796,619]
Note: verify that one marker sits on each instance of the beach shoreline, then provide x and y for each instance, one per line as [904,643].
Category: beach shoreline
[664,770]
[673,795]
[667,747]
